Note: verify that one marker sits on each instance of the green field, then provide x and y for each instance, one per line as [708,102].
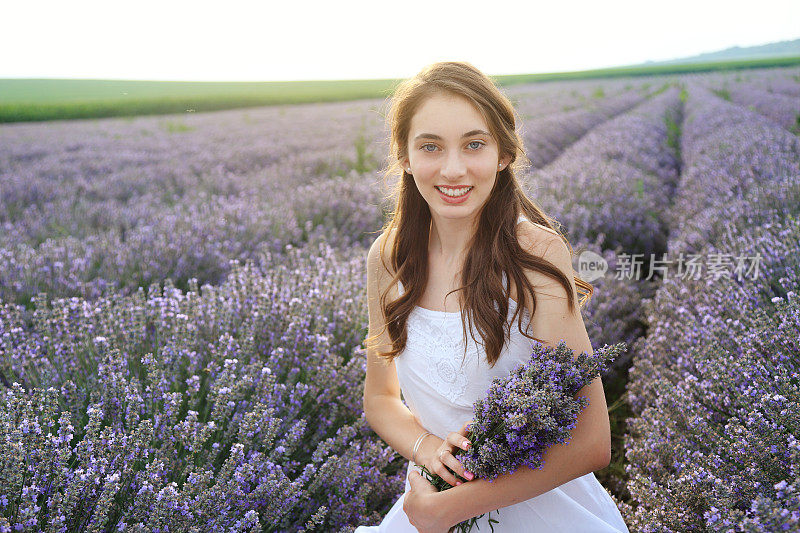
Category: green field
[53,99]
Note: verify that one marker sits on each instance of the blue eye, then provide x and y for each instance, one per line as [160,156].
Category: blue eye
[479,143]
[425,145]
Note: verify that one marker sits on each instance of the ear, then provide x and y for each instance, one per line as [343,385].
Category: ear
[505,160]
[404,163]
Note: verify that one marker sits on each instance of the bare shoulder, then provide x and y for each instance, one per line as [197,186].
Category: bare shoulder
[543,242]
[554,320]
[379,256]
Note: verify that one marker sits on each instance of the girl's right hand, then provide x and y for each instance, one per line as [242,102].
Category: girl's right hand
[443,457]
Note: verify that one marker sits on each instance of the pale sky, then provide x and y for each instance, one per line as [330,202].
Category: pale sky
[239,40]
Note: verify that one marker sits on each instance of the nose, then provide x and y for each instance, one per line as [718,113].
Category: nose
[454,167]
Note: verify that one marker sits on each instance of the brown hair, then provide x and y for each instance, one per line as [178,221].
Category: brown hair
[494,248]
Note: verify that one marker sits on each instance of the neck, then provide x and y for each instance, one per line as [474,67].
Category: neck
[448,239]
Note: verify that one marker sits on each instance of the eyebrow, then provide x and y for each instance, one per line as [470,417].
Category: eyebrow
[436,137]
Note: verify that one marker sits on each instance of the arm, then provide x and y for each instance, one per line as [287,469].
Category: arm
[590,446]
[399,428]
[384,410]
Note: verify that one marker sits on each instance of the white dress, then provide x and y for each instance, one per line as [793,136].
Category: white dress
[440,391]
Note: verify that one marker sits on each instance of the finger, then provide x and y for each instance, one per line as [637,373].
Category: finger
[459,468]
[458,440]
[441,468]
[447,460]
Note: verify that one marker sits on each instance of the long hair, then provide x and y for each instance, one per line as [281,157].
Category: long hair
[494,248]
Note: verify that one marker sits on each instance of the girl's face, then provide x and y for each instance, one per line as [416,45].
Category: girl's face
[452,156]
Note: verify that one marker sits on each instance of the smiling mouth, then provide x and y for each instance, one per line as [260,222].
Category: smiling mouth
[454,192]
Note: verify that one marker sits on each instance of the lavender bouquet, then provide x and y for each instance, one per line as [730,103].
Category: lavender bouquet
[526,412]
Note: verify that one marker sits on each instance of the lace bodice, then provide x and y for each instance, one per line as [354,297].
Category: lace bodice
[436,344]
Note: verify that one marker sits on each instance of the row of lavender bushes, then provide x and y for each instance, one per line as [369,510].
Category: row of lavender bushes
[545,136]
[784,81]
[615,180]
[715,386]
[215,407]
[533,101]
[774,94]
[781,108]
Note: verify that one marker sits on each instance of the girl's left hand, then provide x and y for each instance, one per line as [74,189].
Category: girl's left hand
[420,506]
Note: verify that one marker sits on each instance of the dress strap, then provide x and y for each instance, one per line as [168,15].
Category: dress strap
[521,218]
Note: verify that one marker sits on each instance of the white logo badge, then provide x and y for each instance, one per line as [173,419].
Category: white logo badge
[591,266]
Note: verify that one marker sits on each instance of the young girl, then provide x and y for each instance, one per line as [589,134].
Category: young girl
[462,225]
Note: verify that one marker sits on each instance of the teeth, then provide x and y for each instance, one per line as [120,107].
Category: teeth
[455,192]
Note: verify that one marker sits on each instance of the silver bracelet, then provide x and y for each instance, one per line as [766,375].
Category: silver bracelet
[416,446]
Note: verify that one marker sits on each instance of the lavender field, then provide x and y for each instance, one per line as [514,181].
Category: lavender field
[183,306]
